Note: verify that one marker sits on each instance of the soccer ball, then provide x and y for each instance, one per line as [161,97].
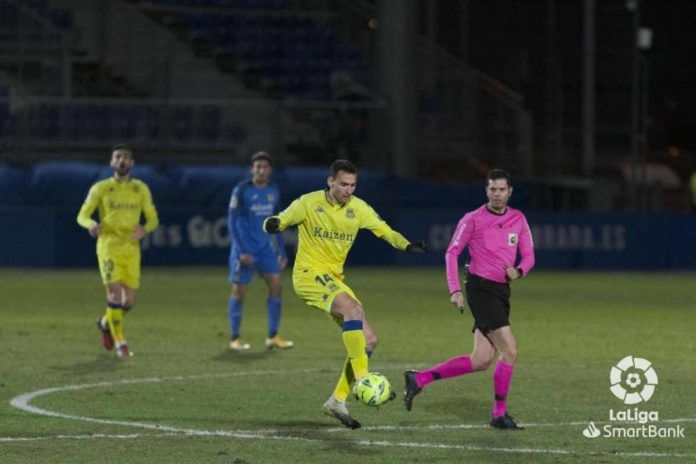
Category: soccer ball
[374,389]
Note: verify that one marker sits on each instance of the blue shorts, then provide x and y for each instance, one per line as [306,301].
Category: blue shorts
[265,263]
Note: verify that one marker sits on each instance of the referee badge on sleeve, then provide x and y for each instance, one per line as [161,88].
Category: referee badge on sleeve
[512,239]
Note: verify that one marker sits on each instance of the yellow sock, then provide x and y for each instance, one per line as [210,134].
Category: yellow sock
[115,318]
[354,340]
[345,383]
[104,321]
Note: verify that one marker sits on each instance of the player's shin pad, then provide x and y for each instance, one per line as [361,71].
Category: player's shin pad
[115,317]
[345,382]
[354,341]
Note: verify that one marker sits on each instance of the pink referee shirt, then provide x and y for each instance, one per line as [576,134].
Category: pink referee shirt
[493,241]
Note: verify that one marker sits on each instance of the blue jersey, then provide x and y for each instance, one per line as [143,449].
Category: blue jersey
[249,206]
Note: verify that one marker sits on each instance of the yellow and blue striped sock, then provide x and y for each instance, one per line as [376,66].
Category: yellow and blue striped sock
[354,340]
[114,314]
[347,380]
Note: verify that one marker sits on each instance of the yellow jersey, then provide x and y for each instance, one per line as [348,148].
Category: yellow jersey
[327,231]
[120,205]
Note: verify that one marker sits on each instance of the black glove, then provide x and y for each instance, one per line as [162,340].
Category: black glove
[272,225]
[418,246]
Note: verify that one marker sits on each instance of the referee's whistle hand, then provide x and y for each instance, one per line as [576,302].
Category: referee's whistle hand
[512,273]
[457,299]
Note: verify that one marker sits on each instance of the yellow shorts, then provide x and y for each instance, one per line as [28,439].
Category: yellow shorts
[119,268]
[318,288]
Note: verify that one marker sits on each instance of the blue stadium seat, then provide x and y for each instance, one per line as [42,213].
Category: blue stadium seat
[267,46]
[183,123]
[209,124]
[69,120]
[5,121]
[62,18]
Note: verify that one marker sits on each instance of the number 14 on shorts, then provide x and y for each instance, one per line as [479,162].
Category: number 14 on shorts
[327,281]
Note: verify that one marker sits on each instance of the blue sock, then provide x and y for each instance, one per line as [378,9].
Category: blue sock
[235,307]
[273,316]
[369,353]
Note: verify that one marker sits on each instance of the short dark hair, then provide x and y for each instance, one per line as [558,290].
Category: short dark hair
[496,174]
[342,165]
[260,155]
[121,146]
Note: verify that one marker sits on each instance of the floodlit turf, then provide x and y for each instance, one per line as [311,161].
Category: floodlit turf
[184,397]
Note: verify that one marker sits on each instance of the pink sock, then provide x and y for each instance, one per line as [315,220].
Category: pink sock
[451,368]
[501,385]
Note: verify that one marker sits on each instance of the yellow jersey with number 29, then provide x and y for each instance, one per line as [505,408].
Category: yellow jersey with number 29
[120,205]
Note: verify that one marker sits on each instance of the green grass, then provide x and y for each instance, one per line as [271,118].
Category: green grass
[184,397]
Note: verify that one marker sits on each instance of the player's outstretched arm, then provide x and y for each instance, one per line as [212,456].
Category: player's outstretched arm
[292,215]
[419,246]
[375,224]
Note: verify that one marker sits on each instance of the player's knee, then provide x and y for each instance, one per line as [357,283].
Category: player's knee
[128,304]
[482,363]
[276,291]
[356,312]
[238,292]
[510,354]
[371,341]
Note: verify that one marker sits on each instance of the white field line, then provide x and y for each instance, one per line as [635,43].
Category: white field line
[485,425]
[382,443]
[22,402]
[96,436]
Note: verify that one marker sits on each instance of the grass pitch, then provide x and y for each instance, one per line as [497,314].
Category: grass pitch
[184,397]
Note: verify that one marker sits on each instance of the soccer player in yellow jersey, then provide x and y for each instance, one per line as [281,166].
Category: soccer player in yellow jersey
[328,222]
[120,200]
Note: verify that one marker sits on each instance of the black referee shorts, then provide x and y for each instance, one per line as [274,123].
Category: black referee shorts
[489,303]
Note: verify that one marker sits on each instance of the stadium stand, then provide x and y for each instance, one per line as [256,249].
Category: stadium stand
[273,47]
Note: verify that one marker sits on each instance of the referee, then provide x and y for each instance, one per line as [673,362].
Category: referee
[494,234]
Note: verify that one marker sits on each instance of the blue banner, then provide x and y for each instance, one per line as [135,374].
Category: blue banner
[48,237]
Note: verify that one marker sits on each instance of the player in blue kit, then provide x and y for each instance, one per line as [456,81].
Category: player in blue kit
[252,201]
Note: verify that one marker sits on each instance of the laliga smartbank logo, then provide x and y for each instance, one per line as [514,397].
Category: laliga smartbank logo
[633,381]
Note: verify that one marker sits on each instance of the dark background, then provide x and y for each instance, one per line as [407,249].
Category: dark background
[440,90]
